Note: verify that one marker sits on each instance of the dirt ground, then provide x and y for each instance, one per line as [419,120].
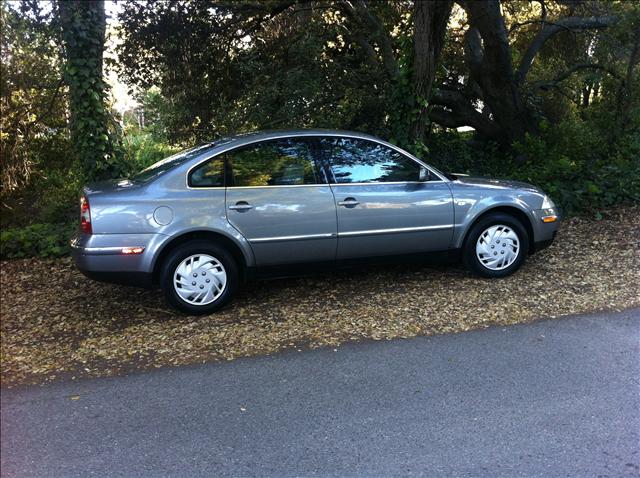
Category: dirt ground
[56,324]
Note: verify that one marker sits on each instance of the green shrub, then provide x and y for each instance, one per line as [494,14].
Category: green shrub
[582,171]
[573,161]
[142,150]
[44,240]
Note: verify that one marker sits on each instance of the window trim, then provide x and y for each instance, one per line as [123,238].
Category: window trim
[390,183]
[315,136]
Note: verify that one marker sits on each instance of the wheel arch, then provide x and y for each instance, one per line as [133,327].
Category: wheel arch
[233,248]
[510,210]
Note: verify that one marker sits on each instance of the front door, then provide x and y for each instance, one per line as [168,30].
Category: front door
[279,200]
[384,206]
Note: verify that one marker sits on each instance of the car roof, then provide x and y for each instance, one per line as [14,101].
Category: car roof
[280,133]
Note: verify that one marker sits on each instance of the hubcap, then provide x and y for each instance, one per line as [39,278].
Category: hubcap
[200,279]
[497,247]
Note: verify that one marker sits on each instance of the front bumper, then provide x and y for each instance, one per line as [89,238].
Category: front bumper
[546,225]
[102,257]
[539,245]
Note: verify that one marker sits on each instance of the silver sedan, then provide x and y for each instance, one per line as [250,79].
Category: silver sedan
[200,222]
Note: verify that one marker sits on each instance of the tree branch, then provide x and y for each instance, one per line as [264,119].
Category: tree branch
[370,52]
[581,66]
[53,100]
[473,52]
[460,112]
[550,29]
[543,18]
[445,118]
[359,12]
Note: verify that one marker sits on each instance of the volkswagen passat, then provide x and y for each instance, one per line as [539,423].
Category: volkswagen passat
[199,222]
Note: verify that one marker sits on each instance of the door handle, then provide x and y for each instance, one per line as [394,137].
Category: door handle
[348,202]
[241,206]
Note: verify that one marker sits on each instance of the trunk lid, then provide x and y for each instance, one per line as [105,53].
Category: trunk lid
[110,186]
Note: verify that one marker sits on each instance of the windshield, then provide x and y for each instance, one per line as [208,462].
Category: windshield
[171,162]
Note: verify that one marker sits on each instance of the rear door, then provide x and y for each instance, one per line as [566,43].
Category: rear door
[384,206]
[280,201]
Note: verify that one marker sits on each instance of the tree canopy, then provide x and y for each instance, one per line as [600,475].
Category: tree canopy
[227,66]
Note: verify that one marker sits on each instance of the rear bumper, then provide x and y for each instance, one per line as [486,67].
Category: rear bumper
[100,257]
[139,279]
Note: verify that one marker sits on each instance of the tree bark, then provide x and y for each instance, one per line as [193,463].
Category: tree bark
[489,57]
[430,19]
[453,110]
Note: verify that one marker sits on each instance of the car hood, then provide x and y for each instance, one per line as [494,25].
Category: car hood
[496,183]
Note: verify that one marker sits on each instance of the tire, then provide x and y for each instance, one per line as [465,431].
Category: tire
[214,283]
[494,255]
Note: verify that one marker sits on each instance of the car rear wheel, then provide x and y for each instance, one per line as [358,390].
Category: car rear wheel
[199,277]
[496,246]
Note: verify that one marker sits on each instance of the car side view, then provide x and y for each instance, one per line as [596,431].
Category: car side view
[199,222]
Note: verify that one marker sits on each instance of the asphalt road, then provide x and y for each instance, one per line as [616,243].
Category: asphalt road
[554,398]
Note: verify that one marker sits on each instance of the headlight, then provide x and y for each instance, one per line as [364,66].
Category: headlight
[547,203]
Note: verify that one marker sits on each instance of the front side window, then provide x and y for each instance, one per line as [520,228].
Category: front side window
[282,162]
[361,161]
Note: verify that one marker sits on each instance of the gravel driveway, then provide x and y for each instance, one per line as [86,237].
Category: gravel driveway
[57,324]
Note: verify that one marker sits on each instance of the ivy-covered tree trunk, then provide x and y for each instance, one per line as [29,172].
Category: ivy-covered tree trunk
[83,25]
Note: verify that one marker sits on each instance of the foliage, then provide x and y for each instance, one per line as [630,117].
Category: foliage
[240,67]
[156,117]
[571,161]
[142,149]
[40,239]
[249,65]
[577,167]
[32,123]
[40,175]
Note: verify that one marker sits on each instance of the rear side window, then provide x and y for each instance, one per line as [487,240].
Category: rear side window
[171,162]
[362,161]
[209,174]
[282,162]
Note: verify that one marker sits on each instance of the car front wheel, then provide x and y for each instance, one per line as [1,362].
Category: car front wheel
[496,246]
[199,277]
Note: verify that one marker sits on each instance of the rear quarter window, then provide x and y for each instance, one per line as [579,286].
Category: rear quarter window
[210,174]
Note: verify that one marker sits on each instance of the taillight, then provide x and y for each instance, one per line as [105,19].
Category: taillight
[85,215]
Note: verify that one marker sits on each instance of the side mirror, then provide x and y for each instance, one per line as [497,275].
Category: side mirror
[425,174]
